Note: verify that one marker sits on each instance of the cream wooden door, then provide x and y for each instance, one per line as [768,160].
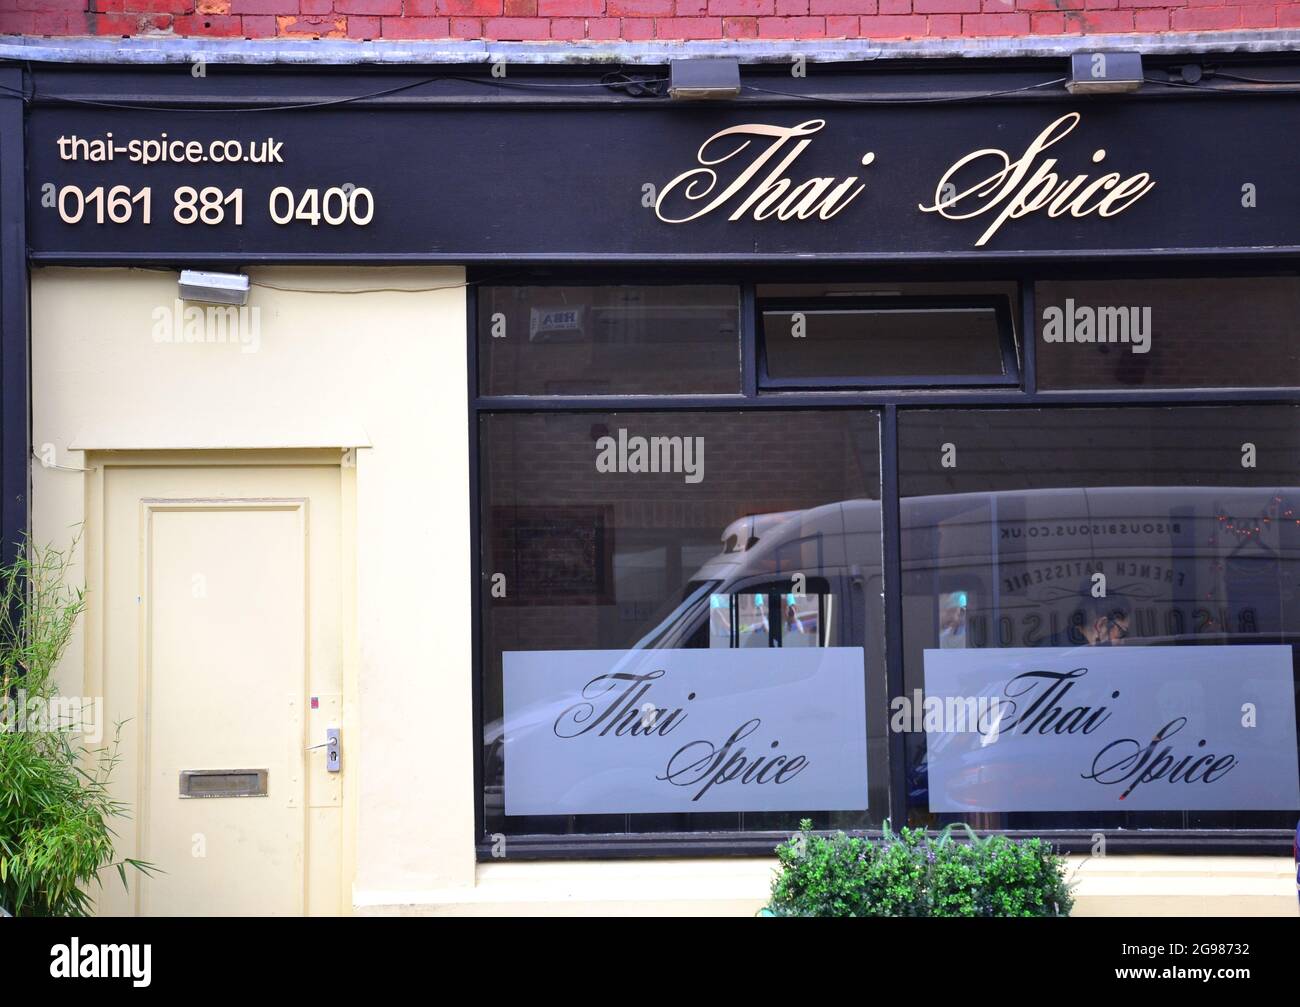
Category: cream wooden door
[218,616]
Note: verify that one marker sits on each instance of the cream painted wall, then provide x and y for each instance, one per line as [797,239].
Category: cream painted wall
[1118,885]
[384,370]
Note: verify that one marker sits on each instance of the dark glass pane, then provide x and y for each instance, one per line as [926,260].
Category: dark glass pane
[1191,517]
[645,340]
[766,543]
[1186,333]
[882,342]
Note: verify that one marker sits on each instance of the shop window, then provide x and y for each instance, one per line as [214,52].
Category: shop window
[731,581]
[655,581]
[1241,332]
[609,340]
[889,341]
[1111,599]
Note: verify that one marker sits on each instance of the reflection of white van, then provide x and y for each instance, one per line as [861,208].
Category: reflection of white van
[1021,568]
[1034,568]
[783,580]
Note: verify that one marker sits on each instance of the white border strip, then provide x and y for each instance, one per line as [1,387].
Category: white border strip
[153,49]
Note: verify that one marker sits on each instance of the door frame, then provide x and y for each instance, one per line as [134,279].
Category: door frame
[97,465]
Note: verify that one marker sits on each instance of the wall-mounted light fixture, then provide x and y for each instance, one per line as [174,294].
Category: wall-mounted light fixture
[713,78]
[1104,73]
[216,288]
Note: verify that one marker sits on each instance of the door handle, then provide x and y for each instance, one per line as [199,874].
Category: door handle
[333,756]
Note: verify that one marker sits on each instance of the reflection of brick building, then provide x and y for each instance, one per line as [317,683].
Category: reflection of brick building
[1241,336]
[1201,446]
[609,340]
[809,457]
[539,474]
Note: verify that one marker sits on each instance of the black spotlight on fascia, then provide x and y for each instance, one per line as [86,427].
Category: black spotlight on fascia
[1105,73]
[696,79]
[214,288]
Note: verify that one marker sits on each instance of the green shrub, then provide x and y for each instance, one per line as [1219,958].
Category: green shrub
[55,809]
[912,874]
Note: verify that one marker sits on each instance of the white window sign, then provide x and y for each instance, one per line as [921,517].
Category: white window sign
[558,324]
[1111,729]
[612,731]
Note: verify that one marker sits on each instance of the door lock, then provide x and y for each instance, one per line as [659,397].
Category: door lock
[333,756]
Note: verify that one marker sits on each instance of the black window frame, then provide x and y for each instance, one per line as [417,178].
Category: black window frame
[1011,373]
[889,400]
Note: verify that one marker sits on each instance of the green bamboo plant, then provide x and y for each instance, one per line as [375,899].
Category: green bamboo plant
[56,837]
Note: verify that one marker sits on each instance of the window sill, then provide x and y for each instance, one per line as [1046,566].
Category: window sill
[724,845]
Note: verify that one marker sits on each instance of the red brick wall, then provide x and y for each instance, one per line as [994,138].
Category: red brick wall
[632,19]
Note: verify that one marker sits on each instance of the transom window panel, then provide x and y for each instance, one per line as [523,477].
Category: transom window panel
[1236,332]
[609,340]
[683,621]
[1102,607]
[887,341]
